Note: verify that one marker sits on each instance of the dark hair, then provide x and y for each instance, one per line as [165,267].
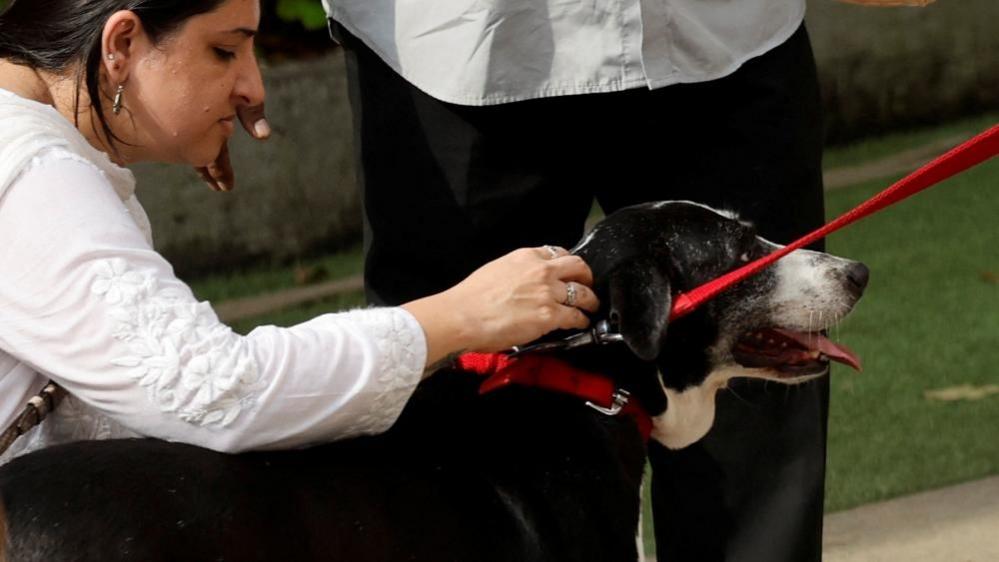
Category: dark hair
[54,35]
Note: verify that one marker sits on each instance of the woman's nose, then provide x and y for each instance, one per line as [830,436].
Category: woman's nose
[249,87]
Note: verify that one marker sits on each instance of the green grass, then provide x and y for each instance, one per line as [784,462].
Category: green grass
[880,147]
[262,280]
[930,319]
[299,314]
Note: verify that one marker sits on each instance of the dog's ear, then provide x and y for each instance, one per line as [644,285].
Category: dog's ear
[639,305]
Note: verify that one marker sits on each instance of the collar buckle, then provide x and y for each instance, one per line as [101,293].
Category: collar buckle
[619,400]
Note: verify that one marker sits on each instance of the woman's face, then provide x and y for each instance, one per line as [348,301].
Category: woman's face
[181,95]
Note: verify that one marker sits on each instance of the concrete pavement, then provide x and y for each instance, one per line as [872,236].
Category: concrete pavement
[955,524]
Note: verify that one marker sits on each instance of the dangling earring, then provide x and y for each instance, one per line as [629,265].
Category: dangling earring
[116,108]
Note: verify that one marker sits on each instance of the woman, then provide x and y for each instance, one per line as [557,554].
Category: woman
[89,87]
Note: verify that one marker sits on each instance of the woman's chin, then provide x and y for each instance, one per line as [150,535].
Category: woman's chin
[202,158]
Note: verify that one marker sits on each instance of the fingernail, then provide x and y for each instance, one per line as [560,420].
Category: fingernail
[223,186]
[262,129]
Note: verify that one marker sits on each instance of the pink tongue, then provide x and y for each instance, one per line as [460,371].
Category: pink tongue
[824,345]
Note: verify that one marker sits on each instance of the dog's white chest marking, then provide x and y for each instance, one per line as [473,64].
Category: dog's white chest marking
[689,413]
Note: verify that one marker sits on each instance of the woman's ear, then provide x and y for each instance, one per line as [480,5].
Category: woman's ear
[640,303]
[120,43]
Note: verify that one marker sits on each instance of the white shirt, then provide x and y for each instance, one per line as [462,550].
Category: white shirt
[87,302]
[484,52]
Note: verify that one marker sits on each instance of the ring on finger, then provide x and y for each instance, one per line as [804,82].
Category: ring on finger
[570,294]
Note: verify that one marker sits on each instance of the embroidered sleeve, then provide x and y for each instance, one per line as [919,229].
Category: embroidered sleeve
[85,300]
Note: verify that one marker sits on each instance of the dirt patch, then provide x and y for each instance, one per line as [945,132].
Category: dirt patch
[894,165]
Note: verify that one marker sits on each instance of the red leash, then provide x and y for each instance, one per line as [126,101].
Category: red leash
[958,159]
[600,392]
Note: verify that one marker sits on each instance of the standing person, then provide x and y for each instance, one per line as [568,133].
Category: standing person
[85,301]
[483,126]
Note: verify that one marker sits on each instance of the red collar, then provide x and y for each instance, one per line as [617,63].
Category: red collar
[549,373]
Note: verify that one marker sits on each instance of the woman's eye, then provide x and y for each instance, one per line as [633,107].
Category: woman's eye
[224,54]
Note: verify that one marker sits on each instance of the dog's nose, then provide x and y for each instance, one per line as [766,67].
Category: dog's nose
[857,276]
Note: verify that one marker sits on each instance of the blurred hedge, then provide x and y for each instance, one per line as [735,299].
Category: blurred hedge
[884,69]
[295,194]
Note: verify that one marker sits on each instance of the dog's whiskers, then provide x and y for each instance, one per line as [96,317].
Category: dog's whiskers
[811,323]
[788,389]
[821,325]
[731,389]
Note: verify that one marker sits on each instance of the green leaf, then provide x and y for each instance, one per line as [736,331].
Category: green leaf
[309,13]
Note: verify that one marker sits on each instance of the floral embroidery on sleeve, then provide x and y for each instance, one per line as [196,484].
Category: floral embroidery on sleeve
[189,363]
[402,352]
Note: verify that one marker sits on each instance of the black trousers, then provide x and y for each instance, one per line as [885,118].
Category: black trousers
[447,188]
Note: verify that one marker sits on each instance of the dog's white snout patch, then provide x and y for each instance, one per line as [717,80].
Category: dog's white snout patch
[814,290]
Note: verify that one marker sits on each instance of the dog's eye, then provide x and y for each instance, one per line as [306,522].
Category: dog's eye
[749,244]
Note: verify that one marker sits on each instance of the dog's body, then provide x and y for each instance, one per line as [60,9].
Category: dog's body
[512,476]
[518,474]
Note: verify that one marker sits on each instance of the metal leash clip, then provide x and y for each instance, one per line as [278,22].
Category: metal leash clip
[599,334]
[620,400]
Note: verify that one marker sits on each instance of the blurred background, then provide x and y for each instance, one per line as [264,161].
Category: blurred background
[900,86]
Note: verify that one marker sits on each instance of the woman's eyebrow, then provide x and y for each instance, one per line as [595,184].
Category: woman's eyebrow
[244,31]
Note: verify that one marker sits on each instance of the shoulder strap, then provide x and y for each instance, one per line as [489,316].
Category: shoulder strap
[35,411]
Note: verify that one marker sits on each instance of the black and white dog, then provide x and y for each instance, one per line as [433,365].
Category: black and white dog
[520,474]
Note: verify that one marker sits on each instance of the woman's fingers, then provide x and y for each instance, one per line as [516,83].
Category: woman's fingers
[567,267]
[580,296]
[576,295]
[572,268]
[254,121]
[219,175]
[573,318]
[572,277]
[203,172]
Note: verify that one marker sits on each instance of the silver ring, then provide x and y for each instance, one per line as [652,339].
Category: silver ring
[570,294]
[551,250]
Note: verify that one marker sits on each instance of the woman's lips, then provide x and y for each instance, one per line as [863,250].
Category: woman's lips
[228,125]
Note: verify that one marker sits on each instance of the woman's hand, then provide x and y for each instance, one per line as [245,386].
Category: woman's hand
[510,301]
[219,175]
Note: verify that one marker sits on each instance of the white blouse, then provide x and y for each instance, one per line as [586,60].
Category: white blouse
[484,52]
[87,302]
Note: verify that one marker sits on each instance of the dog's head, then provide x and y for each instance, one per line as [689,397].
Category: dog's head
[766,327]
